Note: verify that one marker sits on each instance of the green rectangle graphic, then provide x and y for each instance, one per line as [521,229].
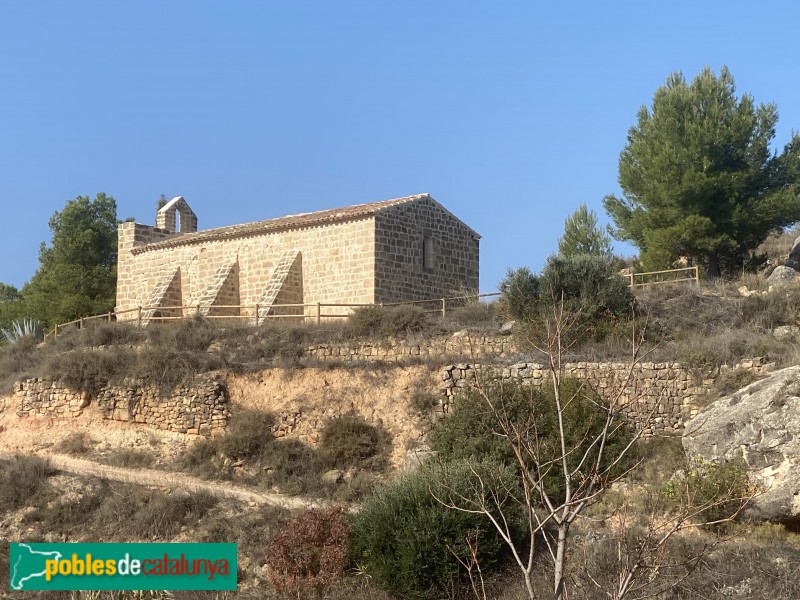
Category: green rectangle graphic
[136,566]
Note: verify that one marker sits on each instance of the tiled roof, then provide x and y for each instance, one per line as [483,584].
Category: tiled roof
[322,217]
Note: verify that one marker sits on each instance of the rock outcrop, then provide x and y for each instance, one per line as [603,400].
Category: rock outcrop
[759,425]
[781,276]
[793,260]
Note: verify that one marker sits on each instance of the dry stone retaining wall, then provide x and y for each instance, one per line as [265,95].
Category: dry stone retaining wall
[479,346]
[201,409]
[658,397]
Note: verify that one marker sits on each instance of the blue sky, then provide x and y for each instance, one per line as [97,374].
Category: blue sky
[509,113]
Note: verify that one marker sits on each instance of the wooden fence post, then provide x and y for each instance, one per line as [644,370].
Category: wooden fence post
[444,307]
[139,318]
[258,310]
[80,323]
[319,313]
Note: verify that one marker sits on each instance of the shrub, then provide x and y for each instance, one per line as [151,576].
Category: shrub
[366,321]
[474,313]
[175,353]
[423,402]
[23,482]
[371,321]
[247,435]
[718,490]
[76,444]
[519,294]
[71,514]
[472,431]
[292,466]
[587,285]
[90,370]
[129,458]
[99,333]
[17,361]
[135,513]
[404,320]
[247,438]
[20,329]
[404,539]
[349,441]
[310,552]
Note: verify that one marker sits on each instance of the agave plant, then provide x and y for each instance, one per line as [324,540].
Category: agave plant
[20,329]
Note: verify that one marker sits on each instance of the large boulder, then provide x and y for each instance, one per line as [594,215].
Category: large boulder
[760,425]
[782,275]
[794,253]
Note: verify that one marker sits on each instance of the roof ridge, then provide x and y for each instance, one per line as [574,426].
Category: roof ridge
[295,221]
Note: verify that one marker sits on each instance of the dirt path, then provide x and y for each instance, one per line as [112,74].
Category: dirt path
[170,480]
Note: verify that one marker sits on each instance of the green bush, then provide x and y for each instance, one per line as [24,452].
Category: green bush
[519,294]
[717,490]
[349,441]
[587,285]
[473,432]
[405,540]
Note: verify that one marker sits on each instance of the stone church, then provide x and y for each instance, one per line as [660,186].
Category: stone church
[404,249]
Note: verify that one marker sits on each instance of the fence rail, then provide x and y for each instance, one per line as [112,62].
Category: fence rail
[668,276]
[254,312]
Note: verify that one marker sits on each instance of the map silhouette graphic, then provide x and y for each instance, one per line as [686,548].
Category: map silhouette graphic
[30,564]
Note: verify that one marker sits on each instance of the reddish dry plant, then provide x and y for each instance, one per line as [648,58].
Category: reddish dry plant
[309,552]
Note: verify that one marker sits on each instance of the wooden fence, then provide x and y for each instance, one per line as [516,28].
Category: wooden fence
[669,276]
[253,312]
[321,310]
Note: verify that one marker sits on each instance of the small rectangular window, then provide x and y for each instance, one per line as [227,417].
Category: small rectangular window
[427,252]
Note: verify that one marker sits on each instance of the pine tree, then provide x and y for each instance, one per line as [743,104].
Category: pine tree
[77,273]
[583,236]
[699,179]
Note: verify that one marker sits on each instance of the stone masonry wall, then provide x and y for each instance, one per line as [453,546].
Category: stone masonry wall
[658,397]
[453,347]
[337,263]
[400,272]
[200,410]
